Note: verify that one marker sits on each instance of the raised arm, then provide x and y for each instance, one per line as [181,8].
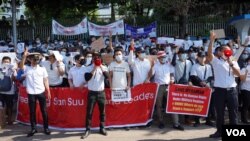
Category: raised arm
[25,54]
[210,55]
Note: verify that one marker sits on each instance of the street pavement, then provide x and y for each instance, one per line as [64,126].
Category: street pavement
[18,132]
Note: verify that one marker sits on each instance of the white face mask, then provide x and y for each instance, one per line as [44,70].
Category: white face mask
[5,66]
[107,42]
[88,61]
[193,55]
[43,59]
[143,55]
[118,58]
[184,56]
[164,60]
[61,43]
[63,53]
[38,41]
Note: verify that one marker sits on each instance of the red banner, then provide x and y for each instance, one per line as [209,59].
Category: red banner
[188,100]
[67,108]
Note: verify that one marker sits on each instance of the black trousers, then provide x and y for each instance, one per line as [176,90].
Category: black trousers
[211,111]
[93,98]
[225,97]
[246,104]
[32,106]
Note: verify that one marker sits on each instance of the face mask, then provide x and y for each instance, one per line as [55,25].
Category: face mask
[43,59]
[143,55]
[183,56]
[82,62]
[63,53]
[193,55]
[107,42]
[244,56]
[164,60]
[88,61]
[38,42]
[61,43]
[5,65]
[118,58]
[55,42]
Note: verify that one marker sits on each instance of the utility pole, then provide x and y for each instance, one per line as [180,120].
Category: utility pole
[14,30]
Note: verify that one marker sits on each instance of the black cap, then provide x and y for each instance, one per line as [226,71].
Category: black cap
[181,50]
[140,50]
[201,54]
[191,49]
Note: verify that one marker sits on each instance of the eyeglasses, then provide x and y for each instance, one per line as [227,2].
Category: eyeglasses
[51,66]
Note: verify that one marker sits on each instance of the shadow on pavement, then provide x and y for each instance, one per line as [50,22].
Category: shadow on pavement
[197,139]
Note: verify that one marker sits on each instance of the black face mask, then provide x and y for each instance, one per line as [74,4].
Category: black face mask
[67,54]
[82,61]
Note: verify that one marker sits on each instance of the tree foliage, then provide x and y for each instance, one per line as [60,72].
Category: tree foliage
[44,10]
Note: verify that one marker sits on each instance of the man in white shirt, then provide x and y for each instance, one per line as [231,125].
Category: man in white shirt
[225,93]
[8,96]
[245,91]
[76,73]
[182,71]
[37,83]
[55,69]
[95,76]
[201,76]
[119,71]
[140,66]
[163,73]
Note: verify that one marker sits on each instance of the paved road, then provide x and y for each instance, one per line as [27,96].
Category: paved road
[17,132]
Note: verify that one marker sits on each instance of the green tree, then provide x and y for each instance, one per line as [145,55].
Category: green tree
[45,10]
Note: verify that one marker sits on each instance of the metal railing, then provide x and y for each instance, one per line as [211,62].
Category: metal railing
[168,29]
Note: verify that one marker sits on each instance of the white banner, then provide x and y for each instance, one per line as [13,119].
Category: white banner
[80,28]
[98,30]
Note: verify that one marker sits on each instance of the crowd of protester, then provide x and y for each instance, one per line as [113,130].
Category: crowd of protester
[131,66]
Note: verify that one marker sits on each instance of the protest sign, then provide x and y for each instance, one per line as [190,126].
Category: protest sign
[188,100]
[198,43]
[119,95]
[149,30]
[104,30]
[220,33]
[12,55]
[98,44]
[80,28]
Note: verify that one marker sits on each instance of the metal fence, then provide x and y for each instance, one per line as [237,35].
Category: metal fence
[169,29]
[195,29]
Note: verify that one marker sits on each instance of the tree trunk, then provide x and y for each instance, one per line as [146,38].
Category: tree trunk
[112,12]
[182,25]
